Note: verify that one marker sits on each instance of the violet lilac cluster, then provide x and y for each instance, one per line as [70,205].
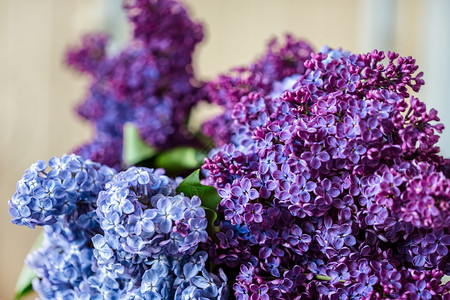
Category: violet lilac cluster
[340,193]
[111,235]
[234,91]
[150,83]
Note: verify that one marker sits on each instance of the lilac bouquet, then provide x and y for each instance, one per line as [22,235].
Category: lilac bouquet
[321,179]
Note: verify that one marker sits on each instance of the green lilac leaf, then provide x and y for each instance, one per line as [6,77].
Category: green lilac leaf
[212,228]
[134,148]
[23,285]
[191,186]
[180,158]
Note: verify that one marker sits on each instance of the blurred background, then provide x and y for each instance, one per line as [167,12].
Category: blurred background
[38,93]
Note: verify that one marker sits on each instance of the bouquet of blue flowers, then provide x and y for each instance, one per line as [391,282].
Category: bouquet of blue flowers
[321,178]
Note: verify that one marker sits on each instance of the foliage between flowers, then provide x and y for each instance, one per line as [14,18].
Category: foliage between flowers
[326,182]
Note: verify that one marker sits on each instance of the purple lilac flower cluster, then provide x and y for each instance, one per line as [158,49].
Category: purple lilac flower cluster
[340,194]
[150,83]
[114,236]
[234,91]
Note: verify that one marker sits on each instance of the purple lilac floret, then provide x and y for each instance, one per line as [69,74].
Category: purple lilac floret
[114,236]
[150,83]
[340,193]
[235,91]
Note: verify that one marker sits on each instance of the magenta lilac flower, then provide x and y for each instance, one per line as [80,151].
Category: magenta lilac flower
[338,190]
[241,92]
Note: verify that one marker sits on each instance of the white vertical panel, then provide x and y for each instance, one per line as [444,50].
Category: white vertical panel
[114,22]
[377,21]
[435,41]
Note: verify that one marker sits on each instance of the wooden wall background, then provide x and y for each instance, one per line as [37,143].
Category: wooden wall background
[37,92]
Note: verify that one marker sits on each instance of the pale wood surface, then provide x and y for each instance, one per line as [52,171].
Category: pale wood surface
[37,93]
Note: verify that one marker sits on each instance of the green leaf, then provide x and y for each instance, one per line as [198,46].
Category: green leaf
[191,186]
[179,159]
[23,285]
[134,148]
[212,229]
